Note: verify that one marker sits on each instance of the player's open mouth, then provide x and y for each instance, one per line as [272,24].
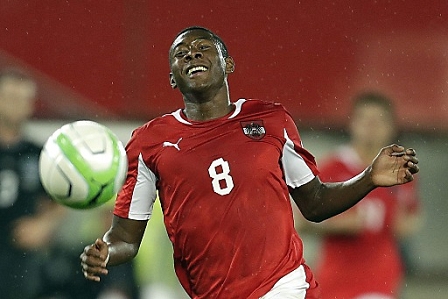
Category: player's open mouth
[195,70]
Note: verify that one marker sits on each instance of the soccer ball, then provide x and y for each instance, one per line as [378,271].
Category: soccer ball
[82,165]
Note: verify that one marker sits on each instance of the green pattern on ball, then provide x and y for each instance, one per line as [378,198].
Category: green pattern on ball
[101,183]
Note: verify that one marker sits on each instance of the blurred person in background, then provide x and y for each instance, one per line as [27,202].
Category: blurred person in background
[60,274]
[28,217]
[360,254]
[32,226]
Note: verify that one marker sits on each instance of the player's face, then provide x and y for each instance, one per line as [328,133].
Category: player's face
[372,126]
[16,100]
[197,63]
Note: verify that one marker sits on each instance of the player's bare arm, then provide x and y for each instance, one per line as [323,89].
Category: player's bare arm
[119,245]
[319,201]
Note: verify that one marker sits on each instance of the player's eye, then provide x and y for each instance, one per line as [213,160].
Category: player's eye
[203,47]
[180,54]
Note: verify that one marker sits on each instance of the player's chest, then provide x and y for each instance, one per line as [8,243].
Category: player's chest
[239,146]
[19,177]
[24,166]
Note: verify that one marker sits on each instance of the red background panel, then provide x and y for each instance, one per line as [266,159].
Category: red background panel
[109,59]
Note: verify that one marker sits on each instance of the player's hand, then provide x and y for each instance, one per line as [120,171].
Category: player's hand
[394,165]
[93,260]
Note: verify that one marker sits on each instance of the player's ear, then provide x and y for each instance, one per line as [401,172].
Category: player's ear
[172,81]
[230,64]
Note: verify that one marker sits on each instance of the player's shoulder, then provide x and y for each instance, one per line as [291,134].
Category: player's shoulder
[257,105]
[262,104]
[156,123]
[158,126]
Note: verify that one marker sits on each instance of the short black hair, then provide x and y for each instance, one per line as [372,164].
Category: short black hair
[215,37]
[372,97]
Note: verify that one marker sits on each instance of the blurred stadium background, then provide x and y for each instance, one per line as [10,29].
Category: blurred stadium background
[107,61]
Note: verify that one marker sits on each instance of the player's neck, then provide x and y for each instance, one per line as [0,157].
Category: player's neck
[203,109]
[207,111]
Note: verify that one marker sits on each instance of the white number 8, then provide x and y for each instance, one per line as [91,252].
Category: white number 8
[224,176]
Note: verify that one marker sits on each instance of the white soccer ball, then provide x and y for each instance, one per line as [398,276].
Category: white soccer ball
[83,165]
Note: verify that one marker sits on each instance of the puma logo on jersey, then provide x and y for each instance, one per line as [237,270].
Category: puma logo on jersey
[175,145]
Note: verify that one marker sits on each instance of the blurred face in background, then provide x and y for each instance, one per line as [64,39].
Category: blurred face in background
[17,99]
[372,126]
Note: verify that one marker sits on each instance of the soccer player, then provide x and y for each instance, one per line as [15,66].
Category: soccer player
[360,256]
[224,172]
[28,217]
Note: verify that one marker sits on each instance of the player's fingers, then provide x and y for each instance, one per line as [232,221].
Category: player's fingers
[410,158]
[413,159]
[91,277]
[413,167]
[395,148]
[92,261]
[411,152]
[100,245]
[93,251]
[92,268]
[409,177]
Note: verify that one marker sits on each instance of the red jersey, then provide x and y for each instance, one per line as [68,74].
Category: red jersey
[369,262]
[223,188]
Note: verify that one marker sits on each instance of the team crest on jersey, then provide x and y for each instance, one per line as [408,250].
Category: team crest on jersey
[253,129]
